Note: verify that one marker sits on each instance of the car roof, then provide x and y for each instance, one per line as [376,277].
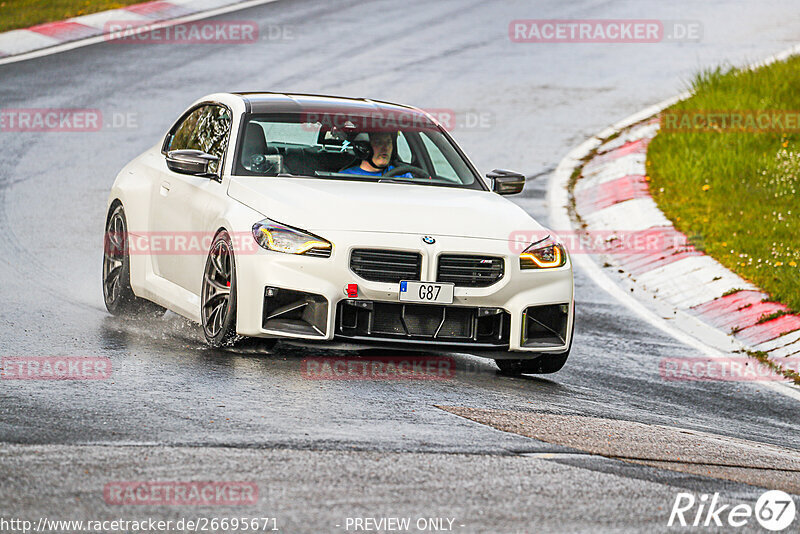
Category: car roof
[266,102]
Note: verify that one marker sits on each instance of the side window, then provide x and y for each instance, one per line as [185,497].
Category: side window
[182,136]
[403,150]
[441,166]
[211,133]
[206,129]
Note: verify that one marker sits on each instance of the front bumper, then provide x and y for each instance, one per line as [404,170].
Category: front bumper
[517,299]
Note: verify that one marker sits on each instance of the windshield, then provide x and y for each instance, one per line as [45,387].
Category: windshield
[404,148]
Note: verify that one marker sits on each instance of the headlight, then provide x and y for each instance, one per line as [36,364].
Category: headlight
[544,254]
[278,237]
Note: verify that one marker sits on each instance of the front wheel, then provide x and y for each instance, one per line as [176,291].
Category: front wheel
[218,312]
[545,364]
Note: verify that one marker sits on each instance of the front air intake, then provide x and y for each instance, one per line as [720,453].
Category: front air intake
[386,265]
[470,271]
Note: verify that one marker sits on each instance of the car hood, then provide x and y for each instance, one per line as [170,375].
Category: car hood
[318,205]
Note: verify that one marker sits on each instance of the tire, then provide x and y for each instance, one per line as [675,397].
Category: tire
[545,364]
[118,295]
[218,299]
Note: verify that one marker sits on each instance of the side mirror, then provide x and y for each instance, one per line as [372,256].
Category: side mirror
[506,182]
[193,162]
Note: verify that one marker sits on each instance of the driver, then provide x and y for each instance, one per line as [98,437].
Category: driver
[376,154]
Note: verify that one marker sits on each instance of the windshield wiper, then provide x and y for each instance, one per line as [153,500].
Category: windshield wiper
[393,181]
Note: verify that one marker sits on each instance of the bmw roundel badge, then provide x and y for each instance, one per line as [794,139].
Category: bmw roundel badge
[428,240]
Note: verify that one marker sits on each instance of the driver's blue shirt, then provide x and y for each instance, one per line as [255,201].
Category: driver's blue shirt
[359,170]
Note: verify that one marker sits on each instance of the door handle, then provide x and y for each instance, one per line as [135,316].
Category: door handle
[164,188]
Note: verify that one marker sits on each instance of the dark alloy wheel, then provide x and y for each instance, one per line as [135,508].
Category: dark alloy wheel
[545,364]
[218,311]
[117,292]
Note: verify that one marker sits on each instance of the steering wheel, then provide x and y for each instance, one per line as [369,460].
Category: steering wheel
[402,169]
[260,164]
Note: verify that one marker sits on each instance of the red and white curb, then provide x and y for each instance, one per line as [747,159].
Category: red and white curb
[677,289]
[52,37]
[612,195]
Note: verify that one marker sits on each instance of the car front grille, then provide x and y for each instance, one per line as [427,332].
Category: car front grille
[390,321]
[470,271]
[386,265]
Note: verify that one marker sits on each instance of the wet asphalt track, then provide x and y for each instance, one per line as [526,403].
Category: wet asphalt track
[325,450]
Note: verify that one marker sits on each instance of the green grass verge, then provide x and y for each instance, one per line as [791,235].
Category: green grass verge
[735,193]
[775,366]
[16,14]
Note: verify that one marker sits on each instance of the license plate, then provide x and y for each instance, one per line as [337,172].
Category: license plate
[426,292]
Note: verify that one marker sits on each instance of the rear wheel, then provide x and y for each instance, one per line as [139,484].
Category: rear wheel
[218,312]
[117,292]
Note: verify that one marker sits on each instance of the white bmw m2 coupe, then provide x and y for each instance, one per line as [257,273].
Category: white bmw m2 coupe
[340,222]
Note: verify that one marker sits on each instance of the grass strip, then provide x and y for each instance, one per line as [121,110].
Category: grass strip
[725,168]
[15,14]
